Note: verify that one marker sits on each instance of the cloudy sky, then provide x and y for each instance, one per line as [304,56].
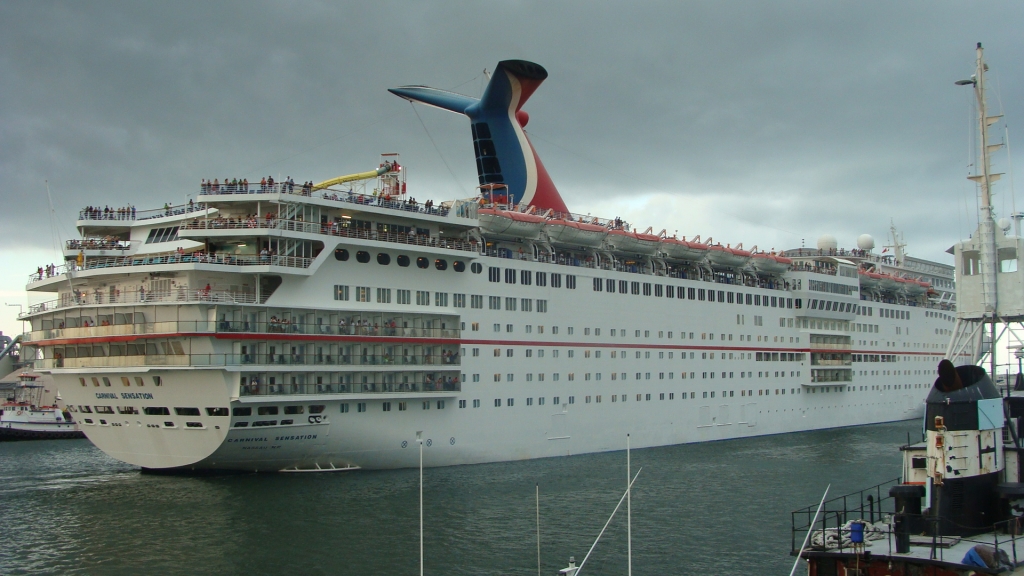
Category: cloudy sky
[765,123]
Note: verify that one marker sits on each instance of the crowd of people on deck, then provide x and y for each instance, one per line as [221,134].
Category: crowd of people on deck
[105,243]
[107,213]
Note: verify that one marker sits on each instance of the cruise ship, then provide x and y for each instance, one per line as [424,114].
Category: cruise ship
[277,326]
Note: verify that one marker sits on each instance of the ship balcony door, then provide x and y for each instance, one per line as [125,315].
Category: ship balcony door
[559,426]
[748,415]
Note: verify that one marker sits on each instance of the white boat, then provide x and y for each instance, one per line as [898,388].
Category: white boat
[494,221]
[627,242]
[328,341]
[727,257]
[770,263]
[25,418]
[683,250]
[570,233]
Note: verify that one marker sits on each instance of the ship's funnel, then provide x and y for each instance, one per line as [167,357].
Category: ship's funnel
[504,154]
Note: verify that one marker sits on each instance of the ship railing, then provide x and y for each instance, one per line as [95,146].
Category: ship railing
[102,262]
[822,362]
[183,294]
[129,213]
[331,229]
[423,384]
[330,194]
[824,346]
[834,374]
[832,531]
[97,244]
[239,327]
[293,359]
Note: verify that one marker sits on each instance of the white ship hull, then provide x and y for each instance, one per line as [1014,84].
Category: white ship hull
[754,402]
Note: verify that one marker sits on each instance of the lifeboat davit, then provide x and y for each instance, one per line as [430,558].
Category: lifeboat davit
[917,287]
[575,233]
[770,263]
[728,257]
[870,280]
[683,250]
[510,223]
[633,242]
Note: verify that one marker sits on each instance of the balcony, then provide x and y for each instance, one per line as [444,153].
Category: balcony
[106,262]
[252,225]
[329,195]
[378,327]
[183,295]
[128,214]
[264,361]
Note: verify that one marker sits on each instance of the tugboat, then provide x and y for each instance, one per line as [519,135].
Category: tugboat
[24,418]
[958,507]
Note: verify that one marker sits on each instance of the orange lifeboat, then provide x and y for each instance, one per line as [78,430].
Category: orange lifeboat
[683,249]
[575,233]
[633,242]
[510,223]
[771,263]
[728,257]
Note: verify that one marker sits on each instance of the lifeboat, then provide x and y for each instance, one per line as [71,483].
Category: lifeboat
[917,287]
[870,280]
[633,242]
[728,257]
[889,282]
[683,250]
[575,233]
[770,263]
[509,223]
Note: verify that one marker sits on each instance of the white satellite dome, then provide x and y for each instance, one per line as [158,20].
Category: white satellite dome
[865,242]
[1004,224]
[827,242]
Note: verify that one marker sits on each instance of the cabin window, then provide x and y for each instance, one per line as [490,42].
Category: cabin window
[1007,259]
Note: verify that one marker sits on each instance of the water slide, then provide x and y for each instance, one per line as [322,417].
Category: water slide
[387,167]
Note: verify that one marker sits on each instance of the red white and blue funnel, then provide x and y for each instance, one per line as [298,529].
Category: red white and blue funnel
[504,154]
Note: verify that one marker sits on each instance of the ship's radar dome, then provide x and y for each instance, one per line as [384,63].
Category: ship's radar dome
[865,242]
[827,242]
[1004,224]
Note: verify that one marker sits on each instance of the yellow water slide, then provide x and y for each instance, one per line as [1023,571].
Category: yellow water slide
[387,167]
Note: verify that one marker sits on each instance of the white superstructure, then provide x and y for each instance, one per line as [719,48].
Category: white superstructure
[275,326]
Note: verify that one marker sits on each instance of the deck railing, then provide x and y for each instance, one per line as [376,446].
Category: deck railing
[331,195]
[295,359]
[129,213]
[96,263]
[228,327]
[330,229]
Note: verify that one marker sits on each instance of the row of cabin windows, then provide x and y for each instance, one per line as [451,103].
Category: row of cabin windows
[530,278]
[699,294]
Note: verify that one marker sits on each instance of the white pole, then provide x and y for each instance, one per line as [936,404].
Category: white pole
[809,530]
[629,511]
[617,506]
[538,529]
[419,439]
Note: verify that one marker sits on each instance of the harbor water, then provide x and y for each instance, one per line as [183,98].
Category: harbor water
[712,508]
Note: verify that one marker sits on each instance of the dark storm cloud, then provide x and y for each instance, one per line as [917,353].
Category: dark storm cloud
[756,123]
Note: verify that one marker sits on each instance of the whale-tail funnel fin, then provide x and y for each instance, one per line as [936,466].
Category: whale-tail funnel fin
[433,97]
[504,154]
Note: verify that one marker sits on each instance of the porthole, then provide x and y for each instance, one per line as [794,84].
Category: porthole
[441,264]
[383,259]
[459,266]
[422,262]
[363,257]
[476,267]
[341,255]
[403,260]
